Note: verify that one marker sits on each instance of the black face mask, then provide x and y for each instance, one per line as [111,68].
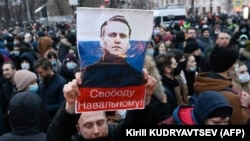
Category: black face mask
[182,65]
[177,70]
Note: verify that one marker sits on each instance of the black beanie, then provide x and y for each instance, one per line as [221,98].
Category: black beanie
[222,58]
[178,54]
[221,112]
[205,29]
[191,47]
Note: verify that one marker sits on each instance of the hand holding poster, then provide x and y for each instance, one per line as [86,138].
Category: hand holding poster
[111,46]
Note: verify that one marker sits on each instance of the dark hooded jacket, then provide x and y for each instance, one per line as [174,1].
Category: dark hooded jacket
[28,57]
[208,102]
[25,118]
[215,82]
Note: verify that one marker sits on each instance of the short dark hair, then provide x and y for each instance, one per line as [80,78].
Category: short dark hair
[117,18]
[163,60]
[51,54]
[191,28]
[12,64]
[43,62]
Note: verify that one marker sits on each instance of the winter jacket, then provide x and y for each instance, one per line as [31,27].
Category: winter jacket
[207,103]
[215,82]
[63,125]
[25,118]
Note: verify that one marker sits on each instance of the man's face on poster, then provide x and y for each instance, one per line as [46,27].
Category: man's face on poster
[115,38]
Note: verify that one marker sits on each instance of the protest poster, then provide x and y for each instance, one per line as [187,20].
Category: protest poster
[111,45]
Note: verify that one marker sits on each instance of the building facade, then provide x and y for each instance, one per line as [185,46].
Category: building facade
[205,6]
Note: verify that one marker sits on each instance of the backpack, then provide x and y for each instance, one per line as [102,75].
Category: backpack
[193,98]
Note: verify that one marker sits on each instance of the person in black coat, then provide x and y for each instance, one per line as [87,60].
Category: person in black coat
[25,118]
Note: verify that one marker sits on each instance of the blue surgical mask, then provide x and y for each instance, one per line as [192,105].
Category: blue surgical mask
[193,68]
[162,52]
[33,88]
[25,66]
[243,30]
[243,78]
[150,52]
[242,43]
[16,53]
[71,65]
[53,62]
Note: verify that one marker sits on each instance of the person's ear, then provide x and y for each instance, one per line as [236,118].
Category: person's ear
[78,129]
[168,69]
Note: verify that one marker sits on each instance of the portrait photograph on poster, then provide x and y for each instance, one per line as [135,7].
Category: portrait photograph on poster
[111,45]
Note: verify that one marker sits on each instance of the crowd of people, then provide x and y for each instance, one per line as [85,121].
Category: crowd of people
[40,77]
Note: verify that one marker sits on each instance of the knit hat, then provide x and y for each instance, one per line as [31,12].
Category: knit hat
[222,58]
[167,38]
[243,36]
[40,34]
[178,54]
[70,57]
[221,112]
[190,39]
[25,112]
[23,78]
[204,29]
[208,104]
[191,47]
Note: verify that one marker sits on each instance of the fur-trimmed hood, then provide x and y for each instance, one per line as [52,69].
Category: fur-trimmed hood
[150,65]
[65,42]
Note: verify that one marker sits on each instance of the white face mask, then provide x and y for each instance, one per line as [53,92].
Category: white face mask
[243,78]
[26,40]
[25,66]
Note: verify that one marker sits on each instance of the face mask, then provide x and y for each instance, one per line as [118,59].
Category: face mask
[216,32]
[168,44]
[243,30]
[243,78]
[177,70]
[25,66]
[150,52]
[33,88]
[16,53]
[53,62]
[162,52]
[26,40]
[182,65]
[156,31]
[71,66]
[192,69]
[242,43]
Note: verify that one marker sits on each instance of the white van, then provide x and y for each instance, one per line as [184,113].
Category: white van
[166,16]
